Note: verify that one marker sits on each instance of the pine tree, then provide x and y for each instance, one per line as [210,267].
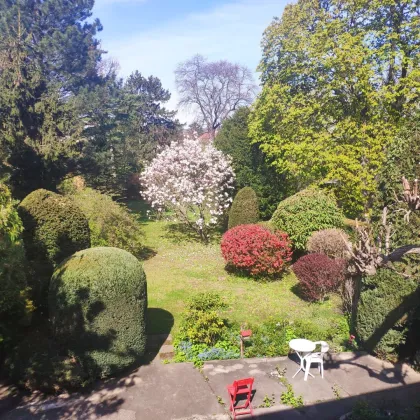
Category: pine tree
[48,52]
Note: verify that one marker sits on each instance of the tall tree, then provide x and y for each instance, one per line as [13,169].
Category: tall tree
[339,78]
[252,169]
[48,52]
[127,126]
[213,90]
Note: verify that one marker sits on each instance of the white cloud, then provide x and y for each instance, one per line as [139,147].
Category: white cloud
[232,32]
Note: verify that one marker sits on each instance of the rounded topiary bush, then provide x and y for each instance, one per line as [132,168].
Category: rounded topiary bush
[319,275]
[382,310]
[54,229]
[97,305]
[256,250]
[306,212]
[332,242]
[244,208]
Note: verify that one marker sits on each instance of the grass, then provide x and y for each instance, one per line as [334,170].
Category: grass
[182,267]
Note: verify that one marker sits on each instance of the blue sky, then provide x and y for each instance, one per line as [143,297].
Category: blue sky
[153,36]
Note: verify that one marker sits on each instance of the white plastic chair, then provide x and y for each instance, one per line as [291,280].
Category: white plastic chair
[317,357]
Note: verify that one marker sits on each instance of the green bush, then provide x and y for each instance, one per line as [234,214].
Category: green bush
[383,295]
[306,212]
[244,210]
[201,323]
[110,223]
[14,303]
[97,305]
[271,338]
[54,228]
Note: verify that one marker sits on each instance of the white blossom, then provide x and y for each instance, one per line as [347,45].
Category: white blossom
[194,180]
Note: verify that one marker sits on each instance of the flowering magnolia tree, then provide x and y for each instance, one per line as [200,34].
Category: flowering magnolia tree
[193,180]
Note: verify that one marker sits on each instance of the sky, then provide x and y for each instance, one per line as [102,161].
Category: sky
[154,36]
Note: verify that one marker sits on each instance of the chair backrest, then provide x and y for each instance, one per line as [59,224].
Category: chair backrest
[324,346]
[247,382]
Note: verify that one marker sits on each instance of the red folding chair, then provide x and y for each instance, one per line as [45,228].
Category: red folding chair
[243,388]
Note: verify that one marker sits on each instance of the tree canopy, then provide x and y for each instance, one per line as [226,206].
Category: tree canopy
[339,77]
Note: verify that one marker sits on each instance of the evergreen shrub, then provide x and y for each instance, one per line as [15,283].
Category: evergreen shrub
[244,210]
[110,223]
[97,305]
[383,295]
[54,229]
[307,212]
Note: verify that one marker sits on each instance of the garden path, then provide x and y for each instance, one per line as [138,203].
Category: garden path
[178,391]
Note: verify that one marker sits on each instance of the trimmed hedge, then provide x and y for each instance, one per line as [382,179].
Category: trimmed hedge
[54,229]
[244,210]
[381,297]
[97,304]
[307,212]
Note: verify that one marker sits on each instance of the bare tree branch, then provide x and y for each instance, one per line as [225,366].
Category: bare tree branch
[213,90]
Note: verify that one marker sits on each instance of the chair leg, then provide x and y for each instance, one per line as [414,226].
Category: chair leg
[308,366]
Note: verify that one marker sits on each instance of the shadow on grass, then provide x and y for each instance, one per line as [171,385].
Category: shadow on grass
[159,321]
[258,279]
[180,233]
[146,253]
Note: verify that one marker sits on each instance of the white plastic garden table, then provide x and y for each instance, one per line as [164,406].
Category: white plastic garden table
[303,348]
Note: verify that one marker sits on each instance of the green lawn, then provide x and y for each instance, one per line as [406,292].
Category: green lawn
[182,267]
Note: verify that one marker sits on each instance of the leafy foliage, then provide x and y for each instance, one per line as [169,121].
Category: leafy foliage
[244,210]
[55,228]
[198,353]
[110,223]
[97,304]
[381,295]
[202,323]
[271,338]
[193,180]
[319,275]
[306,212]
[331,242]
[337,79]
[14,302]
[256,250]
[252,167]
[288,397]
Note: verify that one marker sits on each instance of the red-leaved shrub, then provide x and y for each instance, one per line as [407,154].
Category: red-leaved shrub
[319,275]
[256,250]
